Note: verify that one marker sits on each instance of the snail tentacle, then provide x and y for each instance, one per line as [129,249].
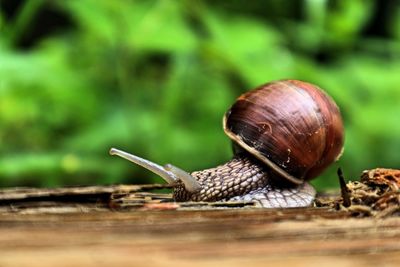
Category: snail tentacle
[168,176]
[170,173]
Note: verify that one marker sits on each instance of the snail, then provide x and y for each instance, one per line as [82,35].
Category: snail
[284,133]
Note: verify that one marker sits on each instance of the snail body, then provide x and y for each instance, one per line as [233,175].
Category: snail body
[284,133]
[245,179]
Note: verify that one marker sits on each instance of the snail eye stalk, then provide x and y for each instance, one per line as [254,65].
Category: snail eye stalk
[169,173]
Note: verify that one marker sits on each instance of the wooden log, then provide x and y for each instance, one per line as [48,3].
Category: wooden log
[128,225]
[166,238]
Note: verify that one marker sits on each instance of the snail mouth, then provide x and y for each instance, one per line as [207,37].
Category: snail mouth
[170,173]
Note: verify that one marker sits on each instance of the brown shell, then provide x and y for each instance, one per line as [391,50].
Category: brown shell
[292,126]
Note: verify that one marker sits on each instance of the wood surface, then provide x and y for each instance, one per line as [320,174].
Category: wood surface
[130,226]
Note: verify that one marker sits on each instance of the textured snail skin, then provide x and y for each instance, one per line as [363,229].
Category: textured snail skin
[245,179]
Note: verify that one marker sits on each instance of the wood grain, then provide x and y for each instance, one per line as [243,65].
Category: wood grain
[47,232]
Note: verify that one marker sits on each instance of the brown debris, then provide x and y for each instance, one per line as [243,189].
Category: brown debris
[376,194]
[382,177]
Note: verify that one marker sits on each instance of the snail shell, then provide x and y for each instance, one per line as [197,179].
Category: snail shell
[292,126]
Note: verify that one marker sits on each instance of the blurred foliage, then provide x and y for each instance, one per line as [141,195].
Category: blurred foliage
[155,77]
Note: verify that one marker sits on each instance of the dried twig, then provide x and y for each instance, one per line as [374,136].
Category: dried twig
[343,189]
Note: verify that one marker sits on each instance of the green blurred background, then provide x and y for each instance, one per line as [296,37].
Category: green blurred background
[155,77]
